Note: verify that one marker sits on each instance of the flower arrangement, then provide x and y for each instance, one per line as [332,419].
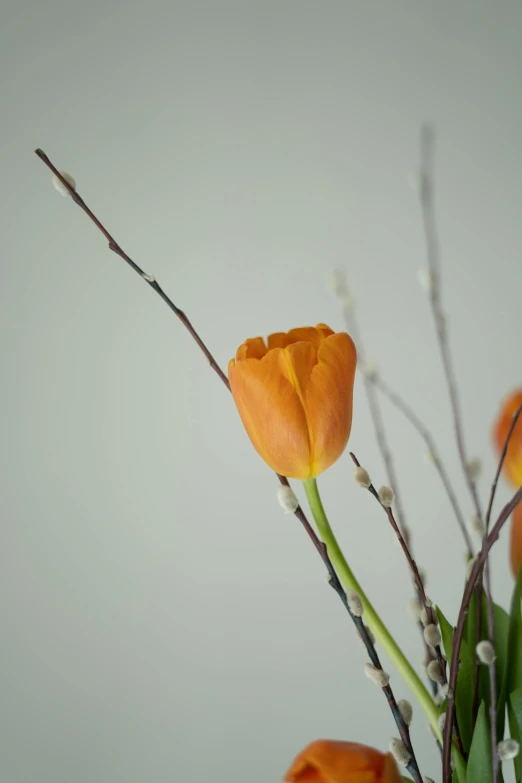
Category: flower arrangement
[294,396]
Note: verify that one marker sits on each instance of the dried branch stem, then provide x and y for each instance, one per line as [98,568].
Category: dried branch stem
[425,434]
[476,572]
[299,513]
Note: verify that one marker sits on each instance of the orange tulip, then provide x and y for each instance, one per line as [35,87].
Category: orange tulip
[512,467]
[516,539]
[294,397]
[513,461]
[330,761]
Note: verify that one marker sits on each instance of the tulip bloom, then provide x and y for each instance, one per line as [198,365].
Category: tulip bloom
[294,397]
[512,467]
[329,761]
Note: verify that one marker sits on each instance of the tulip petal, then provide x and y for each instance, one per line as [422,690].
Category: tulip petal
[253,348]
[271,412]
[516,539]
[513,460]
[330,761]
[329,395]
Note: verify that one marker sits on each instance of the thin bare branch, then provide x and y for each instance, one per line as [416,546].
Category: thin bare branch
[476,572]
[299,513]
[396,400]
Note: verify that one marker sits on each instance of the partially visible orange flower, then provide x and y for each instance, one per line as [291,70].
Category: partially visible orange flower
[331,761]
[516,539]
[294,397]
[512,467]
[513,461]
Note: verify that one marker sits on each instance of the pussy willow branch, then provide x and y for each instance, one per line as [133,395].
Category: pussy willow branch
[373,402]
[491,617]
[150,279]
[433,257]
[378,423]
[425,434]
[427,202]
[430,613]
[476,571]
[335,583]
[299,513]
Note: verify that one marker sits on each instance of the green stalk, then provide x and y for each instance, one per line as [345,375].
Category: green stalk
[371,618]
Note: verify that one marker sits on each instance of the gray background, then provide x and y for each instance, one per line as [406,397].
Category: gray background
[161,618]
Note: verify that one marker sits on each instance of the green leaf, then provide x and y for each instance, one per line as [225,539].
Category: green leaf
[470,626]
[513,671]
[516,706]
[464,692]
[479,761]
[501,651]
[446,631]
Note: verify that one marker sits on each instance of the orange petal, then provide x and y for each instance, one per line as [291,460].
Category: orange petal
[516,539]
[329,397]
[253,348]
[513,460]
[330,761]
[272,413]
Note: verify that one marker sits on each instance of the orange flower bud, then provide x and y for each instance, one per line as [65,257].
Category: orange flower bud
[330,761]
[512,467]
[513,461]
[295,397]
[516,539]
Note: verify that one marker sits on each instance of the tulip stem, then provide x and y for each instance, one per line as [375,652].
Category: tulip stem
[371,617]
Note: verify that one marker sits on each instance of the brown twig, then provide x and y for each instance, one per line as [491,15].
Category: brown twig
[476,571]
[427,202]
[299,513]
[490,614]
[425,434]
[433,258]
[335,583]
[378,425]
[430,612]
[373,402]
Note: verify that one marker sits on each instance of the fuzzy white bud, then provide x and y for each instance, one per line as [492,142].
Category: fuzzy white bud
[435,672]
[432,635]
[474,468]
[406,711]
[386,496]
[429,457]
[477,525]
[485,652]
[508,749]
[370,370]
[399,751]
[414,609]
[347,301]
[287,499]
[60,187]
[339,282]
[427,619]
[362,477]
[148,278]
[469,566]
[354,603]
[438,699]
[426,280]
[378,676]
[441,720]
[414,180]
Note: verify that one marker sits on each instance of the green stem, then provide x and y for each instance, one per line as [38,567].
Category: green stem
[371,617]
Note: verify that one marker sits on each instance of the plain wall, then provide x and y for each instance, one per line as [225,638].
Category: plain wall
[161,618]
